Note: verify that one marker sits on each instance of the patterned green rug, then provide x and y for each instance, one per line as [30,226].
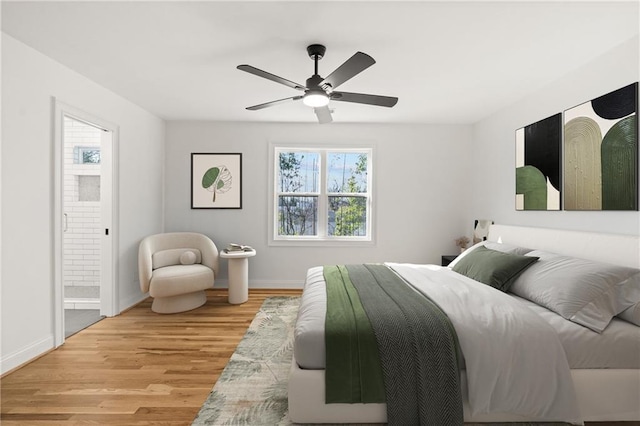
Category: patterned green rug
[252,389]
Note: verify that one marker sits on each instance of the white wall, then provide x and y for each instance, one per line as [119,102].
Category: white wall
[421,192]
[29,81]
[493,177]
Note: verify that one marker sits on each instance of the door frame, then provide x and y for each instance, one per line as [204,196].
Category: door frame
[109,305]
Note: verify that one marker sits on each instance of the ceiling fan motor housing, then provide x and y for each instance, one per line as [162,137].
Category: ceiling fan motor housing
[314,81]
[316,51]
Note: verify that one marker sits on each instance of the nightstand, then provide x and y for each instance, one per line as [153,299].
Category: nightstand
[448,258]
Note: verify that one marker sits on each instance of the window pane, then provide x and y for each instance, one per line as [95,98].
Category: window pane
[347,172]
[297,215]
[347,216]
[298,172]
[88,188]
[86,155]
[91,156]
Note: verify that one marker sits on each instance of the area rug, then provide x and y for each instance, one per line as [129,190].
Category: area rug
[252,389]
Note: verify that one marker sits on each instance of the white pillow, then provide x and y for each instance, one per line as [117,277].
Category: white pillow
[504,248]
[586,292]
[171,257]
[188,258]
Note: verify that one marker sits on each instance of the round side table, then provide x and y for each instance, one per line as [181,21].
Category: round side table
[238,274]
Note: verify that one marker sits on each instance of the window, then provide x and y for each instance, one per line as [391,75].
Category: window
[88,188]
[86,155]
[322,194]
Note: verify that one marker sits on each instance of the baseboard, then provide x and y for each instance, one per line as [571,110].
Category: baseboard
[272,284]
[27,354]
[73,303]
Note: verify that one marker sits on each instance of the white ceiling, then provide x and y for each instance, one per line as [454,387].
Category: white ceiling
[448,62]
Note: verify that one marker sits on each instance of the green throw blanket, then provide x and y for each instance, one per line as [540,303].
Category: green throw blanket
[385,342]
[353,372]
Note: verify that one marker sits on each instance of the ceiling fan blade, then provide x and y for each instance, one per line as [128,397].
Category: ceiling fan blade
[272,103]
[269,76]
[323,114]
[361,98]
[351,67]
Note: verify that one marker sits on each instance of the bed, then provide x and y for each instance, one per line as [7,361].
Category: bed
[603,356]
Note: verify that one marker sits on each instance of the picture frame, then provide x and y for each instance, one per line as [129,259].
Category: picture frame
[216,180]
[601,152]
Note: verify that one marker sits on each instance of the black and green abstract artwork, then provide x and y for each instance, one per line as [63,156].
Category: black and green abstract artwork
[601,152]
[538,165]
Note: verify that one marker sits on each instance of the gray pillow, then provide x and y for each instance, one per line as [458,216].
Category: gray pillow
[507,248]
[631,314]
[492,267]
[586,292]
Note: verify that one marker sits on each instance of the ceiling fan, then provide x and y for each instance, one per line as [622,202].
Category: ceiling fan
[319,91]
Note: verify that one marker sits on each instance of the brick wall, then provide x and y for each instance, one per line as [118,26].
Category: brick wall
[82,207]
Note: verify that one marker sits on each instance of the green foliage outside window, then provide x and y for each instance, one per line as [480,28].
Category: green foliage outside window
[348,215]
[297,215]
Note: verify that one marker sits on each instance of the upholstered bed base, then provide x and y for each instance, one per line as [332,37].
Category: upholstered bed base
[610,395]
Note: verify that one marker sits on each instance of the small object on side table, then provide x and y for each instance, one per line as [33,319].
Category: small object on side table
[448,258]
[238,273]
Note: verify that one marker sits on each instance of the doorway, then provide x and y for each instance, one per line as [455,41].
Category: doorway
[81,232]
[85,287]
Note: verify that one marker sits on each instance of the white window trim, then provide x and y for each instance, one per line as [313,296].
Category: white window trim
[322,241]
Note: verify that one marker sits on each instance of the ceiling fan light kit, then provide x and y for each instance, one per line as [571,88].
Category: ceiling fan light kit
[318,91]
[315,98]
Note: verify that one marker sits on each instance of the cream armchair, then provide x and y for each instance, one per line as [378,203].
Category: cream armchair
[176,268]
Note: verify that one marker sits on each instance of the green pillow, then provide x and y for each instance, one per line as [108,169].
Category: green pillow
[492,267]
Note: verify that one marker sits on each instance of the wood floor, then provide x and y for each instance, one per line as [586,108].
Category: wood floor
[136,369]
[139,368]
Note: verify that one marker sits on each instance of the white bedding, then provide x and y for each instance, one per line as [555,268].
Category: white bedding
[617,347]
[308,334]
[498,334]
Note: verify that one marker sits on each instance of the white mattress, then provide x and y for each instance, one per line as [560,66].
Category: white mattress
[618,347]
